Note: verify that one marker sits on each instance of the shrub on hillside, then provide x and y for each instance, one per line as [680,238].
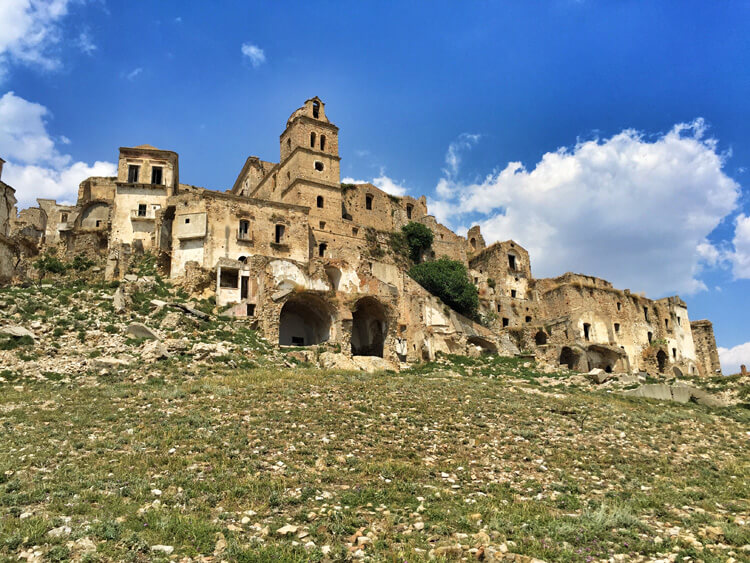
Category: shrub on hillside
[448,280]
[418,239]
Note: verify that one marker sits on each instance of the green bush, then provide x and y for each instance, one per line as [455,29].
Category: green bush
[448,280]
[418,238]
[49,264]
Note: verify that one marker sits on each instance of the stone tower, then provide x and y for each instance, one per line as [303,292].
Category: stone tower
[310,161]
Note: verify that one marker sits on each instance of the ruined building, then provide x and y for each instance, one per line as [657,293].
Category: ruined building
[307,258]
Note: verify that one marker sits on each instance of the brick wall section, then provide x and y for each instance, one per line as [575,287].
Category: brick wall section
[705,347]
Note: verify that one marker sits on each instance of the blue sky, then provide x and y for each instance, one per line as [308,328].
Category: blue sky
[432,98]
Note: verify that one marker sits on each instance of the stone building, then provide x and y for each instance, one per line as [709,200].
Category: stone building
[309,260]
[7,212]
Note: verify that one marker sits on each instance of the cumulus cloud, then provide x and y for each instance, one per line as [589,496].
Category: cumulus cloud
[35,166]
[740,257]
[29,32]
[732,358]
[388,185]
[254,53]
[632,209]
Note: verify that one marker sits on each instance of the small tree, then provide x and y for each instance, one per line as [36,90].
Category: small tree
[448,280]
[49,264]
[418,238]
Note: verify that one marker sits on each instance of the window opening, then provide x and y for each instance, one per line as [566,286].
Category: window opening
[617,328]
[322,247]
[512,261]
[320,201]
[312,139]
[322,142]
[229,279]
[133,174]
[512,292]
[141,210]
[279,233]
[318,166]
[244,229]
[586,331]
[244,281]
[156,175]
[506,321]
[64,218]
[368,202]
[316,110]
[250,310]
[409,209]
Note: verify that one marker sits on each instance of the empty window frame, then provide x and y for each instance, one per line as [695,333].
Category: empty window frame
[645,314]
[312,140]
[64,218]
[319,166]
[409,209]
[279,234]
[322,247]
[499,307]
[229,279]
[141,210]
[619,306]
[506,321]
[586,331]
[666,324]
[528,319]
[322,224]
[243,231]
[617,328]
[513,292]
[133,173]
[250,310]
[319,201]
[368,202]
[156,175]
[322,142]
[674,353]
[511,262]
[316,109]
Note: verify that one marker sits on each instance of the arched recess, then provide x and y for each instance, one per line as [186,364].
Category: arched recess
[540,338]
[661,360]
[488,348]
[369,327]
[334,276]
[305,320]
[570,358]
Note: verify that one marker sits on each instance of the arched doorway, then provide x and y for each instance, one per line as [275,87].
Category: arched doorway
[569,358]
[540,339]
[661,360]
[369,327]
[305,320]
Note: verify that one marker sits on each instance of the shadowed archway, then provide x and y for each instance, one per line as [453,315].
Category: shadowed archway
[305,320]
[369,327]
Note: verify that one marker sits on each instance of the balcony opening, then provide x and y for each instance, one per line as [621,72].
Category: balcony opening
[243,232]
[156,175]
[141,210]
[133,174]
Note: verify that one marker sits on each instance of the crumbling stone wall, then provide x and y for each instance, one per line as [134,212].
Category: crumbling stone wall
[707,355]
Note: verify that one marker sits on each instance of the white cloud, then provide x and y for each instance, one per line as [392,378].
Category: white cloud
[254,53]
[732,358]
[85,43]
[29,31]
[133,74]
[740,258]
[383,182]
[633,210]
[36,168]
[464,142]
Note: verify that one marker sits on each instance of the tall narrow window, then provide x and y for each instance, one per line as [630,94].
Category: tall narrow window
[506,321]
[666,324]
[316,109]
[617,328]
[133,174]
[279,234]
[243,232]
[645,315]
[64,218]
[679,321]
[674,353]
[409,209]
[156,175]
[312,140]
[513,293]
[619,306]
[368,202]
[511,262]
[320,201]
[650,336]
[141,210]
[322,247]
[322,142]
[587,331]
[289,144]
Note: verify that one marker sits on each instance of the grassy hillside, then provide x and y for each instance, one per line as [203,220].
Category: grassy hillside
[238,457]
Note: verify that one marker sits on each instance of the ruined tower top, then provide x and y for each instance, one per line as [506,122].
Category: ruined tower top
[309,128]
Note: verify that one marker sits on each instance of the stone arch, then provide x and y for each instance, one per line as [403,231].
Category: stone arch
[540,338]
[305,320]
[369,327]
[93,212]
[661,360]
[488,348]
[570,358]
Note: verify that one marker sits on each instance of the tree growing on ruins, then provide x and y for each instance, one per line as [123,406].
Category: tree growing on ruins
[48,263]
[414,239]
[448,280]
